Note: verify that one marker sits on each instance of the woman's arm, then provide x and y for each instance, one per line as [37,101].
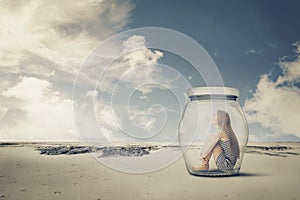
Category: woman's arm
[210,142]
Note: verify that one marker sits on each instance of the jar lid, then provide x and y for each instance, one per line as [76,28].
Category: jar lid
[200,91]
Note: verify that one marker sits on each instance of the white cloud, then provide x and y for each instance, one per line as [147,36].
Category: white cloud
[108,134]
[44,43]
[106,116]
[62,32]
[118,121]
[3,111]
[276,104]
[46,116]
[143,119]
[112,124]
[136,67]
[130,72]
[251,51]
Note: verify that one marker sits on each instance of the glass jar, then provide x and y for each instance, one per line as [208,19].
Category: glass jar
[213,132]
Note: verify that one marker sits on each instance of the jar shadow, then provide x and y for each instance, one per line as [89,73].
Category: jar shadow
[242,174]
[245,174]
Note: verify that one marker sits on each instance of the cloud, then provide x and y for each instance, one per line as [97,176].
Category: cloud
[276,103]
[61,32]
[136,67]
[50,39]
[107,120]
[143,119]
[115,126]
[134,72]
[3,112]
[42,45]
[105,114]
[45,116]
[253,51]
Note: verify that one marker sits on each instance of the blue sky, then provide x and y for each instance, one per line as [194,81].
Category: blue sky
[255,45]
[245,38]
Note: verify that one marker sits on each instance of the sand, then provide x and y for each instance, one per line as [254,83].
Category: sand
[25,174]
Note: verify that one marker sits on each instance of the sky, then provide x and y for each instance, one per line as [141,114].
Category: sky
[255,45]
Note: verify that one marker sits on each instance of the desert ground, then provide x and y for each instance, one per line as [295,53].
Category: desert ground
[25,173]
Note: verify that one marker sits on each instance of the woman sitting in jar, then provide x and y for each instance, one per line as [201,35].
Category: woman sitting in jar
[223,145]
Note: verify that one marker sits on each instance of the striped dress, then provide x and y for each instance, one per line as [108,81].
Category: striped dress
[227,159]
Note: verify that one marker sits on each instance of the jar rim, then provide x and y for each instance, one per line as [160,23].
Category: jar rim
[200,91]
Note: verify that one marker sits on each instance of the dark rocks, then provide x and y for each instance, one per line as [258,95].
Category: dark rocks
[69,150]
[267,148]
[7,144]
[279,151]
[114,151]
[130,151]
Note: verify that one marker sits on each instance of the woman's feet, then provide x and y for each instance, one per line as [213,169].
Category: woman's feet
[204,166]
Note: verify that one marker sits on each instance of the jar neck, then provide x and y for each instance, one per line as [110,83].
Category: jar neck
[213,97]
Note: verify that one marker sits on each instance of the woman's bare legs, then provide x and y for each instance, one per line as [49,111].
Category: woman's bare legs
[204,163]
[216,151]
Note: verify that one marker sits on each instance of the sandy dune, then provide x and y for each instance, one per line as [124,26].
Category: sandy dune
[25,174]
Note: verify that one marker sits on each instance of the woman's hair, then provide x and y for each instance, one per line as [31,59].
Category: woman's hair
[225,124]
